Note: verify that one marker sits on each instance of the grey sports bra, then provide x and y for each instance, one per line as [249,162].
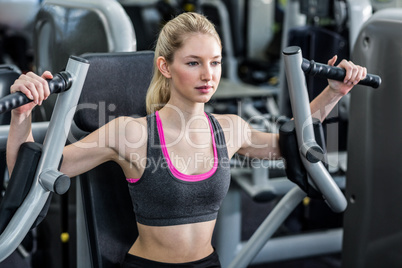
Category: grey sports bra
[163,196]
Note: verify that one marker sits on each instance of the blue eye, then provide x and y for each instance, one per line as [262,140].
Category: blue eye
[192,63]
[216,63]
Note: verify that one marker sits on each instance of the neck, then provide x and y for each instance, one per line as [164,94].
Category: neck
[187,110]
[178,116]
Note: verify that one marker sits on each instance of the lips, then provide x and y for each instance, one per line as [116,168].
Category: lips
[204,89]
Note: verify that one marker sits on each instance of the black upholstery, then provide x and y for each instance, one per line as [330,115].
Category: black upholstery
[20,182]
[109,215]
[372,221]
[116,85]
[294,168]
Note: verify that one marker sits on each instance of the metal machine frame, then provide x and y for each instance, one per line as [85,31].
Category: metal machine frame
[47,171]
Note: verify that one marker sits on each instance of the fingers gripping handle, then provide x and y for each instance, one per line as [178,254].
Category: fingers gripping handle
[336,73]
[60,83]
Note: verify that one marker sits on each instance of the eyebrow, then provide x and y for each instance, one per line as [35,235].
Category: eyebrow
[197,57]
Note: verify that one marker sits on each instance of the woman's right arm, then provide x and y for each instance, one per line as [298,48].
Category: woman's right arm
[35,88]
[107,143]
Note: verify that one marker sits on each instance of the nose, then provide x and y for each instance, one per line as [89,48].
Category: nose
[206,74]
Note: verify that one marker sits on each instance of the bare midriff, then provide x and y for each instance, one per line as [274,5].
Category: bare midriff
[174,244]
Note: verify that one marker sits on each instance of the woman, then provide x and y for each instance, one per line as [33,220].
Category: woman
[175,159]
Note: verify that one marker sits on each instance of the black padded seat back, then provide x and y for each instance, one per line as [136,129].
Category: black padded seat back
[373,219]
[116,85]
[108,214]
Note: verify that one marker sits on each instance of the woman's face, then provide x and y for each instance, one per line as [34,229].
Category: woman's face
[196,69]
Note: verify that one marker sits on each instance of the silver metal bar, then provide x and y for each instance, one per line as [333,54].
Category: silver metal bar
[300,246]
[228,226]
[264,232]
[304,129]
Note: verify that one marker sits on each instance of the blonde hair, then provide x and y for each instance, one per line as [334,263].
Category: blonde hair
[171,38]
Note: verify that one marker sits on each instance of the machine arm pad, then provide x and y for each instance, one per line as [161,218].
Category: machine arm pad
[294,167]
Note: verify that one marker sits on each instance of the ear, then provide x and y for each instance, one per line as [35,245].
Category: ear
[163,66]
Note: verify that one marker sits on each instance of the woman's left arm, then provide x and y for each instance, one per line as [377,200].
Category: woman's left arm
[265,145]
[323,104]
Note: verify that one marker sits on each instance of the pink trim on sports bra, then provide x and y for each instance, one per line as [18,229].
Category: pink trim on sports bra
[175,172]
[132,180]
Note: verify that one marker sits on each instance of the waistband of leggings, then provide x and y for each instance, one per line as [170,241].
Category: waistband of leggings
[211,259]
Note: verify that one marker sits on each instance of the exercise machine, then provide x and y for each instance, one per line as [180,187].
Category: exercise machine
[46,178]
[311,156]
[335,240]
[44,181]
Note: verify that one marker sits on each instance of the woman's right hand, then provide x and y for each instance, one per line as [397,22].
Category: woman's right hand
[34,87]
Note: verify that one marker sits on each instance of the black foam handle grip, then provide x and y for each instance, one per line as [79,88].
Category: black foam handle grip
[61,82]
[336,73]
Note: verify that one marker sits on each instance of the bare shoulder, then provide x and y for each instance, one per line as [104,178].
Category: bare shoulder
[130,123]
[133,129]
[234,129]
[134,121]
[130,143]
[229,120]
[232,124]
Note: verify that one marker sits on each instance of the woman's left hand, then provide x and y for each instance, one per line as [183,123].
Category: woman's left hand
[354,73]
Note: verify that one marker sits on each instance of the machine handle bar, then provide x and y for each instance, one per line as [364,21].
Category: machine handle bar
[61,82]
[336,73]
[303,121]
